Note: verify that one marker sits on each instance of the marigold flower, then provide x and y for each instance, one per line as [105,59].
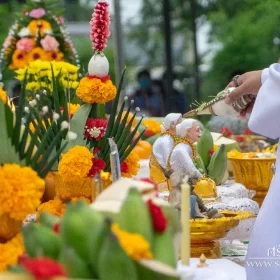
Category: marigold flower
[76,163]
[3,95]
[132,162]
[134,245]
[11,251]
[153,126]
[19,184]
[95,91]
[54,207]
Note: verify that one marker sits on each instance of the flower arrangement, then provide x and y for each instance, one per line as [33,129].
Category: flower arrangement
[98,242]
[42,76]
[38,34]
[153,127]
[25,159]
[266,153]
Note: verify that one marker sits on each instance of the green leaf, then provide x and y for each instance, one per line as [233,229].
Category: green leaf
[77,125]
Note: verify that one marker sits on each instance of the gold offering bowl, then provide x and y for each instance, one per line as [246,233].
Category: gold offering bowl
[254,173]
[206,232]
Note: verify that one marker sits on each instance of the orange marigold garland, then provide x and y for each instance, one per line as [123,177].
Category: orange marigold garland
[131,165]
[54,207]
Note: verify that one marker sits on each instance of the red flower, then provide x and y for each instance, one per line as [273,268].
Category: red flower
[240,138]
[211,152]
[95,129]
[56,228]
[124,168]
[96,150]
[43,268]
[226,132]
[62,110]
[98,164]
[100,23]
[158,218]
[148,133]
[247,131]
[104,79]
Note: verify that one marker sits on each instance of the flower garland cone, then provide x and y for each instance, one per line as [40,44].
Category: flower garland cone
[38,33]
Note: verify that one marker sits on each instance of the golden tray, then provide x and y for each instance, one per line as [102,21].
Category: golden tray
[254,173]
[206,232]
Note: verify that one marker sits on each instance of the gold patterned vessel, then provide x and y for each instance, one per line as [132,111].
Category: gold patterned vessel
[68,189]
[206,232]
[254,173]
[8,227]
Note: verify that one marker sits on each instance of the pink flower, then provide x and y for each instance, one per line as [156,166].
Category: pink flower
[100,23]
[49,43]
[37,13]
[25,44]
[61,20]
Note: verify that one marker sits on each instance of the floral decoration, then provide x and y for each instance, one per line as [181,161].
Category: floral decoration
[131,164]
[226,132]
[153,127]
[54,207]
[43,268]
[19,184]
[158,218]
[76,163]
[38,34]
[247,131]
[98,164]
[95,129]
[93,90]
[100,23]
[3,95]
[133,244]
[11,251]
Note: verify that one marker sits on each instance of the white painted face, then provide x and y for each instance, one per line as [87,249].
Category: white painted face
[194,133]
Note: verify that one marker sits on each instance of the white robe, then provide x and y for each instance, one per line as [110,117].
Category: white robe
[162,149]
[181,159]
[261,262]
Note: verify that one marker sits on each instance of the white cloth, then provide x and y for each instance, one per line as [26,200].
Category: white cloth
[162,149]
[181,159]
[266,232]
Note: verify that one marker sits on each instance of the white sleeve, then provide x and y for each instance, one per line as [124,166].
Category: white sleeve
[181,160]
[265,116]
[162,149]
[265,74]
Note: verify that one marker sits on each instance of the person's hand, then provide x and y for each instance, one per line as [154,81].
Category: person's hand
[248,84]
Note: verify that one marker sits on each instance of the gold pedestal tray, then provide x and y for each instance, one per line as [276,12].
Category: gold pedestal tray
[254,173]
[206,232]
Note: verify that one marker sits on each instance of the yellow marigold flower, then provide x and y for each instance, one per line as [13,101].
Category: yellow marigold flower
[93,90]
[135,246]
[39,25]
[73,108]
[153,126]
[10,251]
[133,164]
[54,207]
[19,59]
[130,115]
[76,163]
[36,54]
[3,95]
[18,185]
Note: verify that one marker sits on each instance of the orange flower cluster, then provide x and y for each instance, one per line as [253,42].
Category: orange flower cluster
[94,90]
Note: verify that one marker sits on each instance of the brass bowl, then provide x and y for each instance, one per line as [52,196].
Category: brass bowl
[206,232]
[254,173]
